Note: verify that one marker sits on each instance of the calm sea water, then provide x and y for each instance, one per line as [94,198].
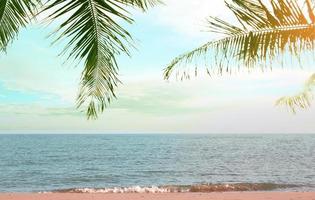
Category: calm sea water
[31,163]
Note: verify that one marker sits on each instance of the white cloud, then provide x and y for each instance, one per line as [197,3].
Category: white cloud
[254,117]
[238,103]
[188,16]
[38,70]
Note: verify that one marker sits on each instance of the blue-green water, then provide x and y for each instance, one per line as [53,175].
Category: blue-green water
[53,162]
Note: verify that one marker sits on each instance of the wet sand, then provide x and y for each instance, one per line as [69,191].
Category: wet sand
[165,196]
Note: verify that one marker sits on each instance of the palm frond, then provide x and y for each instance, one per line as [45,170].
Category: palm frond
[95,37]
[142,4]
[15,14]
[301,100]
[264,34]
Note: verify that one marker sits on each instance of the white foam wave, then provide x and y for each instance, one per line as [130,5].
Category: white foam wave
[187,188]
[135,189]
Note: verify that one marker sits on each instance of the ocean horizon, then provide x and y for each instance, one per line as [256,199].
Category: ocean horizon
[117,163]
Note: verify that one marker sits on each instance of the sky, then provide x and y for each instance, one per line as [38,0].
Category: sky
[38,90]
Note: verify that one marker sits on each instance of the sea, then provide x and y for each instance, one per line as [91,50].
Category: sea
[122,163]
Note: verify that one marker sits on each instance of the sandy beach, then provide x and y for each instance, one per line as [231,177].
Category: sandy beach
[165,196]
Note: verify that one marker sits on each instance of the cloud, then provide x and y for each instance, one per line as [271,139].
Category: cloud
[31,66]
[240,103]
[188,16]
[250,117]
[38,110]
[254,117]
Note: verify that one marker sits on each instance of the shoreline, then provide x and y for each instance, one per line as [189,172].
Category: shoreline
[270,195]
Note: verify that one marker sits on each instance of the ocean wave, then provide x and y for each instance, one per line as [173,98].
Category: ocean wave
[135,189]
[202,188]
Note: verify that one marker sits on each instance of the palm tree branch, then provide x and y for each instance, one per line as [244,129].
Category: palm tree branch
[95,38]
[142,4]
[302,100]
[15,14]
[264,33]
[245,48]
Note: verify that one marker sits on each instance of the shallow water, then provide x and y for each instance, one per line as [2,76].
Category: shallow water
[56,162]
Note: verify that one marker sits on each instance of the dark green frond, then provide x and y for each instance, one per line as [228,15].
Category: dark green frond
[266,32]
[142,4]
[95,37]
[14,14]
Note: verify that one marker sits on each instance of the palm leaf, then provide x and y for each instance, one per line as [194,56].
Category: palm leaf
[301,100]
[95,37]
[15,14]
[264,34]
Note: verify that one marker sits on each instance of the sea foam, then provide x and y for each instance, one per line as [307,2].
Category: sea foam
[205,188]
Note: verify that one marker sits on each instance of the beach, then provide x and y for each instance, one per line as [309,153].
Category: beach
[164,196]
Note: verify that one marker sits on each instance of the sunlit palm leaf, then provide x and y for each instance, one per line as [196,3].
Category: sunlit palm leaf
[14,14]
[301,100]
[95,37]
[264,34]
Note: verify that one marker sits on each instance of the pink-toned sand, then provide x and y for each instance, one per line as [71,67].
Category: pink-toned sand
[166,196]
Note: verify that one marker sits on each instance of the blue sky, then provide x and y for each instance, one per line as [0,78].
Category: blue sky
[37,91]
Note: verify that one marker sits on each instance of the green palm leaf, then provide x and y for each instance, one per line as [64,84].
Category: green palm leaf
[301,100]
[95,37]
[265,32]
[15,14]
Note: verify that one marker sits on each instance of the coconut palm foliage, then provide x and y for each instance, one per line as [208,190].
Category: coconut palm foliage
[266,30]
[14,14]
[301,100]
[93,35]
[267,33]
